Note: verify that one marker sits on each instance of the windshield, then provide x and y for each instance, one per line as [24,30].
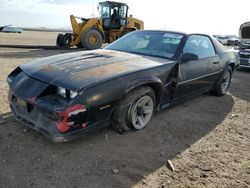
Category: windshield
[152,43]
[104,10]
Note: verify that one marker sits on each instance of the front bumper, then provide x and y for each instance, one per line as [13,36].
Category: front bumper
[38,119]
[45,122]
[244,63]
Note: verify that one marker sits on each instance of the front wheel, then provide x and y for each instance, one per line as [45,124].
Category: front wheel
[91,39]
[222,85]
[141,112]
[135,110]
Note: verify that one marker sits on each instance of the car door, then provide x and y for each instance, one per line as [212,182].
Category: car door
[197,76]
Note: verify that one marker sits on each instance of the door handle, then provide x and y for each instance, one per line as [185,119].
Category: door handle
[216,62]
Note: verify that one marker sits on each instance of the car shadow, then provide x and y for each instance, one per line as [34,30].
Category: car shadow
[90,161]
[240,84]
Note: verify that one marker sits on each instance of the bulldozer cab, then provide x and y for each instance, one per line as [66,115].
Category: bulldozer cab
[91,33]
[113,14]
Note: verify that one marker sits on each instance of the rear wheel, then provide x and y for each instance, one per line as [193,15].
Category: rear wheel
[91,39]
[60,40]
[222,85]
[135,110]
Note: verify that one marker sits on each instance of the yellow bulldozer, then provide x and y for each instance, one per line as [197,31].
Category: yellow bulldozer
[91,33]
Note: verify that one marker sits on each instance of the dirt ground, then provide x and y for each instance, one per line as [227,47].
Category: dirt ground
[207,139]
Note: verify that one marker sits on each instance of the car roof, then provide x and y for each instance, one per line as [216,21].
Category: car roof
[177,32]
[162,30]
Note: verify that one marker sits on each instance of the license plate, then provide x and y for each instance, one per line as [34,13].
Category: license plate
[22,103]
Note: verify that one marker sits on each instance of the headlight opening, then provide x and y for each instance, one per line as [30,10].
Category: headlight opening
[66,93]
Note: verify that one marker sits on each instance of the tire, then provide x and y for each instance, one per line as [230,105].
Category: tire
[222,85]
[60,40]
[79,45]
[67,39]
[128,114]
[91,39]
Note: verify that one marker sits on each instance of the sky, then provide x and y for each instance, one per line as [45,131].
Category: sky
[203,16]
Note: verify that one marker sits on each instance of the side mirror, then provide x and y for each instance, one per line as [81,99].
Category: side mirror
[189,57]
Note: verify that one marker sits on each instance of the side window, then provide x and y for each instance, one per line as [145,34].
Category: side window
[123,14]
[123,11]
[199,45]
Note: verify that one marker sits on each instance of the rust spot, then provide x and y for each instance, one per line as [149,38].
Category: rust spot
[111,52]
[48,67]
[84,59]
[104,70]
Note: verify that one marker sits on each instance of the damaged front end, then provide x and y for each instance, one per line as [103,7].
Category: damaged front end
[244,47]
[54,111]
[244,34]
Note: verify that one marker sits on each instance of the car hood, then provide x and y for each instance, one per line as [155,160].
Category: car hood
[81,69]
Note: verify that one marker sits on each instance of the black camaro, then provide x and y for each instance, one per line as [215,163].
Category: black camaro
[64,96]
